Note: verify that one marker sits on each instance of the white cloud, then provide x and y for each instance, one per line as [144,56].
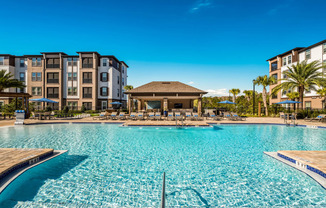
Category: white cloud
[191,82]
[200,4]
[217,92]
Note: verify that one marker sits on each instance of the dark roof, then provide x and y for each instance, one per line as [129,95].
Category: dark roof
[6,55]
[124,63]
[111,56]
[53,53]
[33,55]
[165,87]
[282,54]
[89,52]
[316,44]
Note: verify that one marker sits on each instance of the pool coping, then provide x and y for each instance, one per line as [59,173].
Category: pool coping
[292,162]
[13,175]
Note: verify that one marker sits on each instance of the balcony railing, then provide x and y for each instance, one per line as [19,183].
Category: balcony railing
[53,96]
[87,95]
[87,65]
[53,66]
[87,80]
[53,81]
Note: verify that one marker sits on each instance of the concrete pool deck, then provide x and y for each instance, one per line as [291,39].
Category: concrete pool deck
[313,163]
[14,162]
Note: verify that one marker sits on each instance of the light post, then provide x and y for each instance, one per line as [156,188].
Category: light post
[253,97]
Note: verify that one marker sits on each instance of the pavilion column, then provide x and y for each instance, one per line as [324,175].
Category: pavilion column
[129,103]
[23,102]
[199,106]
[27,105]
[165,105]
[139,105]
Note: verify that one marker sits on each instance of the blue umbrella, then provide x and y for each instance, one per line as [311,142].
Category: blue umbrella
[43,100]
[226,102]
[115,103]
[288,102]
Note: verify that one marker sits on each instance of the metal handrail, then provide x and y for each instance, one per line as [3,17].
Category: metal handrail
[163,192]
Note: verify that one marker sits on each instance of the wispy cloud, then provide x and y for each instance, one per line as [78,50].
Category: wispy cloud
[200,4]
[217,92]
[191,82]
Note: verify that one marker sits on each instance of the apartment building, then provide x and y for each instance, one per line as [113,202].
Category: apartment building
[280,63]
[88,79]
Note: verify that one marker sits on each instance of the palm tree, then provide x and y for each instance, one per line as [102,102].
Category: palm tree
[248,94]
[302,76]
[293,96]
[322,93]
[6,81]
[265,81]
[234,92]
[128,87]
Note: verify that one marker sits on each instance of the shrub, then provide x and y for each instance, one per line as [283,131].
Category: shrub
[83,109]
[65,109]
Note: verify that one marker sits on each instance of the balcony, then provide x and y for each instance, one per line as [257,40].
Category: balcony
[53,66]
[56,81]
[87,81]
[87,95]
[53,95]
[87,65]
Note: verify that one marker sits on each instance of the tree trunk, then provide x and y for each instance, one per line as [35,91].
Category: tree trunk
[301,90]
[265,101]
[233,98]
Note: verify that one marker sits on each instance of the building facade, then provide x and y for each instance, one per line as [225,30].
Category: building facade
[281,62]
[88,79]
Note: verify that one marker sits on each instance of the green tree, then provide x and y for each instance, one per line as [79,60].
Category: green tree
[292,95]
[248,94]
[322,93]
[302,76]
[234,92]
[128,87]
[7,81]
[265,81]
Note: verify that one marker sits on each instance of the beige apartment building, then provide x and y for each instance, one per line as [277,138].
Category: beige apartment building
[280,63]
[88,79]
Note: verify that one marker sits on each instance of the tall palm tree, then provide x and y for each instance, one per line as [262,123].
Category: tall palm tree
[322,93]
[7,81]
[265,81]
[302,76]
[234,92]
[248,94]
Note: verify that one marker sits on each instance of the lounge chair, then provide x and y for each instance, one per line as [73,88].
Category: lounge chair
[102,115]
[282,115]
[170,116]
[32,116]
[132,116]
[188,116]
[113,116]
[140,116]
[177,116]
[158,116]
[236,117]
[122,116]
[227,115]
[196,117]
[151,116]
[318,118]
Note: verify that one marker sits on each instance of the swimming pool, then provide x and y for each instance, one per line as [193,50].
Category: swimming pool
[110,165]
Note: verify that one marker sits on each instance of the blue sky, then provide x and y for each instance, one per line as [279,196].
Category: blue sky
[214,45]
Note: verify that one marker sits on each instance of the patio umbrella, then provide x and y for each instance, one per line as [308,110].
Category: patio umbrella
[288,102]
[44,100]
[115,103]
[227,102]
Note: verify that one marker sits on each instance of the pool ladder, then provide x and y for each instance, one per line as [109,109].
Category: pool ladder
[176,122]
[163,192]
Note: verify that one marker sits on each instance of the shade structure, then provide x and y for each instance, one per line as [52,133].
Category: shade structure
[115,103]
[44,100]
[288,102]
[227,102]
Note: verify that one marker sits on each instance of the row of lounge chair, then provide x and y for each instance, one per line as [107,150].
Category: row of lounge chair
[320,118]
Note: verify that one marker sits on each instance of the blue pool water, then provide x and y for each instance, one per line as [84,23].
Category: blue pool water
[110,165]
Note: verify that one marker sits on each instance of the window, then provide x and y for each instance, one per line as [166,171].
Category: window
[118,65]
[69,76]
[118,80]
[307,91]
[36,76]
[53,77]
[2,59]
[123,81]
[275,77]
[104,77]
[88,105]
[37,105]
[75,60]
[274,66]
[69,61]
[22,62]
[105,62]
[284,61]
[308,54]
[72,91]
[22,76]
[53,92]
[87,77]
[324,47]
[274,96]
[75,76]
[104,105]
[52,63]
[37,91]
[87,62]
[123,69]
[104,91]
[289,59]
[118,94]
[177,105]
[72,105]
[87,92]
[36,62]
[308,104]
